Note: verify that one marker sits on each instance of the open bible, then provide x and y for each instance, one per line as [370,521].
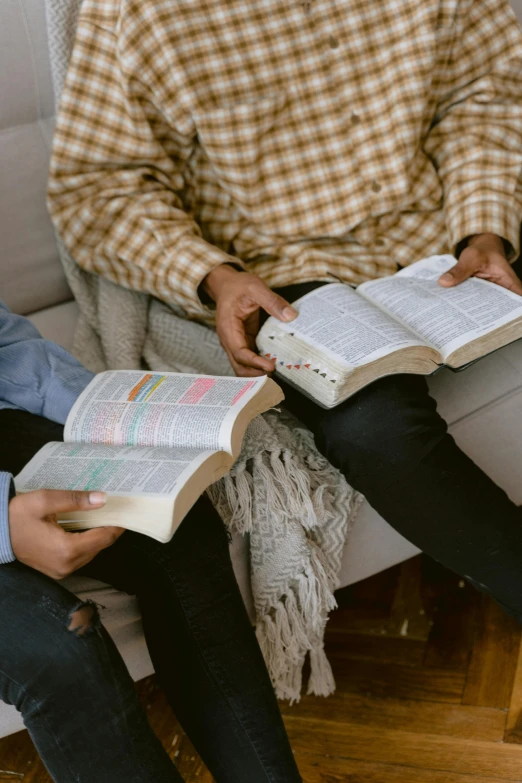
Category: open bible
[343,339]
[152,441]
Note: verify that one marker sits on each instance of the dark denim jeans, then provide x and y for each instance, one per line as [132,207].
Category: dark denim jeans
[392,445]
[72,688]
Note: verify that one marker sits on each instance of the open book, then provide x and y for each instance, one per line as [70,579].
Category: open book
[344,339]
[152,441]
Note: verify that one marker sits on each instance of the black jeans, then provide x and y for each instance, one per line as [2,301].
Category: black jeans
[73,689]
[392,445]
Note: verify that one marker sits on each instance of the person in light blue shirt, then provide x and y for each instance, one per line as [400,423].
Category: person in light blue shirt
[59,666]
[37,376]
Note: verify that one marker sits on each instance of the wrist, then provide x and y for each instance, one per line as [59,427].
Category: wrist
[214,282]
[486,241]
[6,494]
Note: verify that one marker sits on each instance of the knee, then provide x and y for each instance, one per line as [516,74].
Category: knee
[382,432]
[200,537]
[354,443]
[51,653]
[69,639]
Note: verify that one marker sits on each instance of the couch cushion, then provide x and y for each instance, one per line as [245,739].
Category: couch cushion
[57,323]
[31,277]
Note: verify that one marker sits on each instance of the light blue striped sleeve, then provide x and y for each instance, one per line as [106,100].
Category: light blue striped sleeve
[6,550]
[37,375]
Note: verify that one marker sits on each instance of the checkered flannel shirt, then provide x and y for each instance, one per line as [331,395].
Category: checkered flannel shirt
[315,140]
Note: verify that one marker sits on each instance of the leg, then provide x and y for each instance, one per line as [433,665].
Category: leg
[202,645]
[23,435]
[204,649]
[391,444]
[61,670]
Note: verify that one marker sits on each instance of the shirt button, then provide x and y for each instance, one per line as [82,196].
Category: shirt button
[355,119]
[333,43]
[376,187]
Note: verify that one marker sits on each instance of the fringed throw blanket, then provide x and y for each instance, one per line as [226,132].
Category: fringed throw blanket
[296,508]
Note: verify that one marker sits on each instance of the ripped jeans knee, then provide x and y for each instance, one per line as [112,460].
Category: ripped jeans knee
[84,618]
[51,648]
[80,619]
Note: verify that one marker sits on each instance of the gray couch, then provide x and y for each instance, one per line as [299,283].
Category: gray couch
[483,404]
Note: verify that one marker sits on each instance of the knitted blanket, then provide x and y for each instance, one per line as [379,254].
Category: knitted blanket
[295,507]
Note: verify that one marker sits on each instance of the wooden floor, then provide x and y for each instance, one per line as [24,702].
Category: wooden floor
[429,677]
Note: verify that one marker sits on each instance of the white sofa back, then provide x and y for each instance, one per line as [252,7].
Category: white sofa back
[31,277]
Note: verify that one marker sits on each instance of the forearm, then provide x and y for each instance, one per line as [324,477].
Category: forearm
[474,209]
[116,193]
[480,179]
[475,140]
[216,280]
[500,244]
[37,375]
[6,492]
[151,245]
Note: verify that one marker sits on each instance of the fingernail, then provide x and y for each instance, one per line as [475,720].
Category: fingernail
[447,277]
[97,498]
[289,314]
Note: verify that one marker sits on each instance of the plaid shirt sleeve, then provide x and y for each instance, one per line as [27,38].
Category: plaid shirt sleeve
[115,183]
[476,137]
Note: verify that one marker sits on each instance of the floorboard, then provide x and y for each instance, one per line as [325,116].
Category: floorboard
[491,671]
[429,690]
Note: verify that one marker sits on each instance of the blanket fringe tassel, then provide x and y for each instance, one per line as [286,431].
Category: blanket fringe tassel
[285,637]
[289,490]
[293,627]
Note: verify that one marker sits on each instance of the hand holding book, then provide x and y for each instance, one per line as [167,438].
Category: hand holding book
[239,298]
[485,257]
[40,542]
[152,441]
[344,339]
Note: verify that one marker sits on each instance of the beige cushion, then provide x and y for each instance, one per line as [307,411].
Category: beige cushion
[57,323]
[31,276]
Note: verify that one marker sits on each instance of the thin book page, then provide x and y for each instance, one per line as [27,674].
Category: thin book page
[445,318]
[133,408]
[341,325]
[121,471]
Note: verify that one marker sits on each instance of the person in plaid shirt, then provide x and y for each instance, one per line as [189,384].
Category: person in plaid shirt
[227,156]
